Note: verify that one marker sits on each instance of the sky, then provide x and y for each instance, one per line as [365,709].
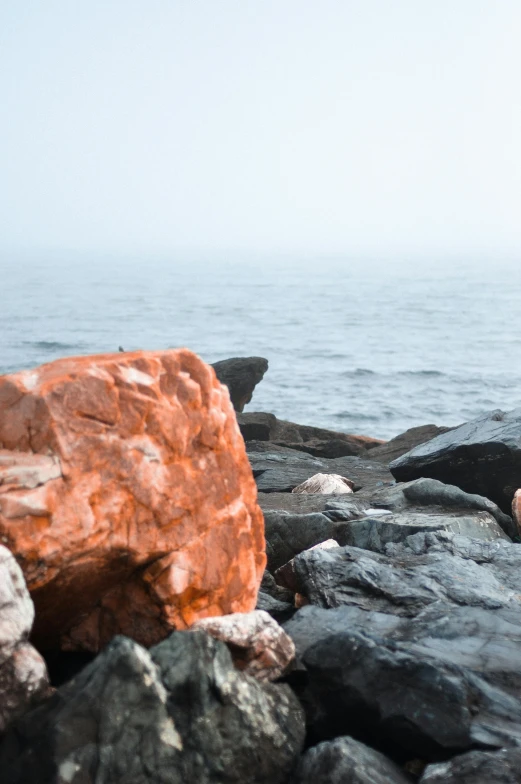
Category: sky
[286,126]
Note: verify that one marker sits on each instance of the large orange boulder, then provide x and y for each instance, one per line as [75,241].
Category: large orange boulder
[126,497]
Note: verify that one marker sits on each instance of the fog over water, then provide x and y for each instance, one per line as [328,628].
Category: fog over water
[335,186]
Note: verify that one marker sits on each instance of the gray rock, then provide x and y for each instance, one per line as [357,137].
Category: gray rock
[280,471]
[398,446]
[257,425]
[280,611]
[241,375]
[178,713]
[477,767]
[345,760]
[482,456]
[499,558]
[23,674]
[376,532]
[330,447]
[443,682]
[269,586]
[405,582]
[287,535]
[313,502]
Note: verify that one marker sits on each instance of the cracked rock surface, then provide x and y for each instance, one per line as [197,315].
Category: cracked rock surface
[126,497]
[421,656]
[178,713]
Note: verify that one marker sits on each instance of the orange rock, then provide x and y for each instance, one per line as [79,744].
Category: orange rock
[127,497]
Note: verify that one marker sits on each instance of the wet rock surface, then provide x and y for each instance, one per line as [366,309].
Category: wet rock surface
[482,456]
[178,713]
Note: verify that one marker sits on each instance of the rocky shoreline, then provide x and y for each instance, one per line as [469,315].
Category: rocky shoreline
[156,627]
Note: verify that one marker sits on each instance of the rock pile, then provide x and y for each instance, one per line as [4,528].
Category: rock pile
[385,644]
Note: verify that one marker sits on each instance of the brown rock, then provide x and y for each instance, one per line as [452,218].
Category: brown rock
[127,497]
[259,646]
[23,674]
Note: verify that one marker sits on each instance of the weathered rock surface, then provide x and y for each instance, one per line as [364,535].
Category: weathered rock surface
[482,456]
[176,714]
[420,493]
[327,484]
[315,440]
[375,532]
[259,646]
[403,583]
[477,767]
[241,375]
[23,674]
[431,686]
[346,761]
[398,446]
[287,535]
[126,496]
[280,470]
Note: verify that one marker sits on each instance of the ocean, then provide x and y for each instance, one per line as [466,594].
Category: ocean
[370,347]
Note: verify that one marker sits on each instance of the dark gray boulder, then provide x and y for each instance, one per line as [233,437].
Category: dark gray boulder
[482,456]
[287,535]
[279,471]
[430,687]
[279,611]
[376,532]
[256,425]
[318,441]
[405,582]
[398,446]
[477,767]
[177,713]
[426,492]
[346,760]
[241,375]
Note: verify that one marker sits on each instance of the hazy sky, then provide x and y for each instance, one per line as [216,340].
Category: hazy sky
[350,126]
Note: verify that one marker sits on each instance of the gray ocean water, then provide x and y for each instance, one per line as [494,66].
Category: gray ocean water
[362,347]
